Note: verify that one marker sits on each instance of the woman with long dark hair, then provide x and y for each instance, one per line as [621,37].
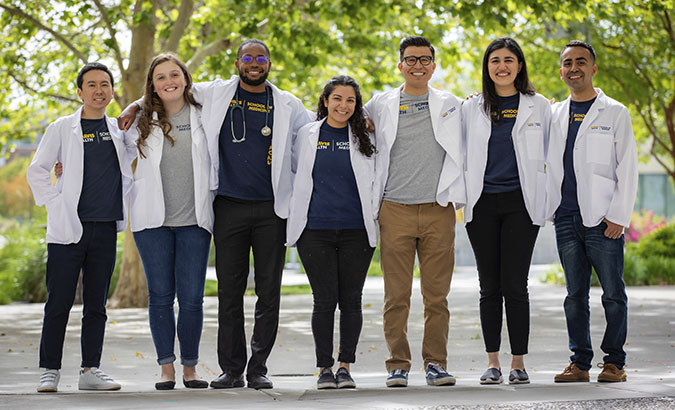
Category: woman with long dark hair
[505,132]
[332,220]
[172,215]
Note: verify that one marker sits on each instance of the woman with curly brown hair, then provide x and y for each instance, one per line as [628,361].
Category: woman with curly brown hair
[332,221]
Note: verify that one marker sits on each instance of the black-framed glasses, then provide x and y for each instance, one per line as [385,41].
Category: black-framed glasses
[412,60]
[248,59]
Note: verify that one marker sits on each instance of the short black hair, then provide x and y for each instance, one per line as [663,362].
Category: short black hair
[93,66]
[252,41]
[416,41]
[578,43]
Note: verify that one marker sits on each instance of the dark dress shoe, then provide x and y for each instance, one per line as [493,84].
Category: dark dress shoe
[228,381]
[195,384]
[259,381]
[167,385]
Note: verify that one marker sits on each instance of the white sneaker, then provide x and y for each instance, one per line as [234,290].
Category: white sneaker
[95,379]
[49,381]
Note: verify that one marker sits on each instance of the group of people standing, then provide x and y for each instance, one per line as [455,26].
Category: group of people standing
[244,161]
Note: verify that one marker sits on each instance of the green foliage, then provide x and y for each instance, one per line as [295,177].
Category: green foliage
[651,261]
[211,289]
[22,264]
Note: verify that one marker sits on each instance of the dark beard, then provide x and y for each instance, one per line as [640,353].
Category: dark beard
[248,81]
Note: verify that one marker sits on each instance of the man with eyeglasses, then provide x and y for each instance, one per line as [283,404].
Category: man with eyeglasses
[250,125]
[418,180]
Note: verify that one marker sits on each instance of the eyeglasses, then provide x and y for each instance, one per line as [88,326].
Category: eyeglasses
[248,59]
[412,60]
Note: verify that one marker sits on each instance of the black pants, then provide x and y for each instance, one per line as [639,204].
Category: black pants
[336,262]
[94,255]
[502,236]
[239,226]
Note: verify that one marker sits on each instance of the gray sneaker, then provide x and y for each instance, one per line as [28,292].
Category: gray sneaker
[95,379]
[49,381]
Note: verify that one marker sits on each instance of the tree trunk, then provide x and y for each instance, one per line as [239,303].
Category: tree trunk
[132,289]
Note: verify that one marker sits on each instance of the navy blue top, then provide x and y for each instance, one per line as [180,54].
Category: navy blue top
[335,202]
[569,204]
[501,171]
[245,167]
[101,197]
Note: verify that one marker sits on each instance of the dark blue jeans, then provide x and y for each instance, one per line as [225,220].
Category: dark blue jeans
[94,255]
[336,262]
[174,260]
[581,248]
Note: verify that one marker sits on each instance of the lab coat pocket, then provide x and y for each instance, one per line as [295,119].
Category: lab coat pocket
[602,192]
[599,148]
[534,140]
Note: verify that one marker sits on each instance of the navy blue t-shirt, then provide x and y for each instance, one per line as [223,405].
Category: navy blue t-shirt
[101,197]
[335,202]
[569,204]
[501,171]
[245,167]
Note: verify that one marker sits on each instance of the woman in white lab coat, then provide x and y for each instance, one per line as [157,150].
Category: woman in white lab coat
[172,215]
[505,132]
[332,220]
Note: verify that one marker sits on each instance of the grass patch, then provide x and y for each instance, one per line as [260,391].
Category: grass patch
[211,289]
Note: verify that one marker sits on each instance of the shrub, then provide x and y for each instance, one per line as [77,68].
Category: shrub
[643,223]
[22,264]
[658,242]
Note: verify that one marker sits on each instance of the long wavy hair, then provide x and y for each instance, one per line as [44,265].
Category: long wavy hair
[153,104]
[356,121]
[521,82]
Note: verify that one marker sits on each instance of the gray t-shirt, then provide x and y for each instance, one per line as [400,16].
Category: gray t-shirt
[416,158]
[177,173]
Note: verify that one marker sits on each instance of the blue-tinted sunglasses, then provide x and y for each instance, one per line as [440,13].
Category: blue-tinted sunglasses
[248,59]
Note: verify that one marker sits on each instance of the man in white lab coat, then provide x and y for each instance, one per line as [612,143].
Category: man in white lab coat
[85,210]
[418,180]
[591,186]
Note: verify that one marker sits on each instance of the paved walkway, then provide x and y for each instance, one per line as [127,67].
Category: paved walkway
[129,357]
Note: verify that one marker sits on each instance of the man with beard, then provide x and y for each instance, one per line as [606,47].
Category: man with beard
[250,125]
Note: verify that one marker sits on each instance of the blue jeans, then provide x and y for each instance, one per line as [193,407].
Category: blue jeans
[581,248]
[174,260]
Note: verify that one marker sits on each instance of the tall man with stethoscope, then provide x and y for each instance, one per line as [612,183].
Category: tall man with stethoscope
[250,125]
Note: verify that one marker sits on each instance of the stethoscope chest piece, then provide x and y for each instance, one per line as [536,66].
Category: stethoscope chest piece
[266,131]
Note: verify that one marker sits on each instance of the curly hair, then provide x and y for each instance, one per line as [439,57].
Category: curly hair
[153,104]
[357,120]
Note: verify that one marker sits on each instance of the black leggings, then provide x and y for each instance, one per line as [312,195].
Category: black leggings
[502,236]
[336,262]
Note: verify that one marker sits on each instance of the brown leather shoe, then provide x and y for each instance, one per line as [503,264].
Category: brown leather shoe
[571,374]
[611,374]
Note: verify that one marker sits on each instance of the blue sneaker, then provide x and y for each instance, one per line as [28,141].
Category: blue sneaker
[397,378]
[437,376]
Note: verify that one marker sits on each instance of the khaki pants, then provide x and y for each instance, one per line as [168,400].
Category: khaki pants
[428,229]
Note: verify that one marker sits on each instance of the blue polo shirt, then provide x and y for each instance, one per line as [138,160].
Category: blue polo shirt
[245,170]
[101,196]
[569,204]
[501,170]
[335,202]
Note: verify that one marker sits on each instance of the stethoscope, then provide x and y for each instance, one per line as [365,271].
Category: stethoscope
[265,131]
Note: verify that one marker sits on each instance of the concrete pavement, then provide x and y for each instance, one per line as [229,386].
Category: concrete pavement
[128,356]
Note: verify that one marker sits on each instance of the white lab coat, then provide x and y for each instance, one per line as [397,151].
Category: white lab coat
[444,109]
[605,162]
[62,142]
[303,185]
[530,140]
[289,116]
[147,195]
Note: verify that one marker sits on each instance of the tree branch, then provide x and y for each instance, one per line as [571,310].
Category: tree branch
[115,46]
[36,91]
[16,12]
[206,51]
[180,25]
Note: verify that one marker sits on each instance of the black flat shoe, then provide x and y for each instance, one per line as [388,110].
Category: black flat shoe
[259,381]
[195,384]
[167,385]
